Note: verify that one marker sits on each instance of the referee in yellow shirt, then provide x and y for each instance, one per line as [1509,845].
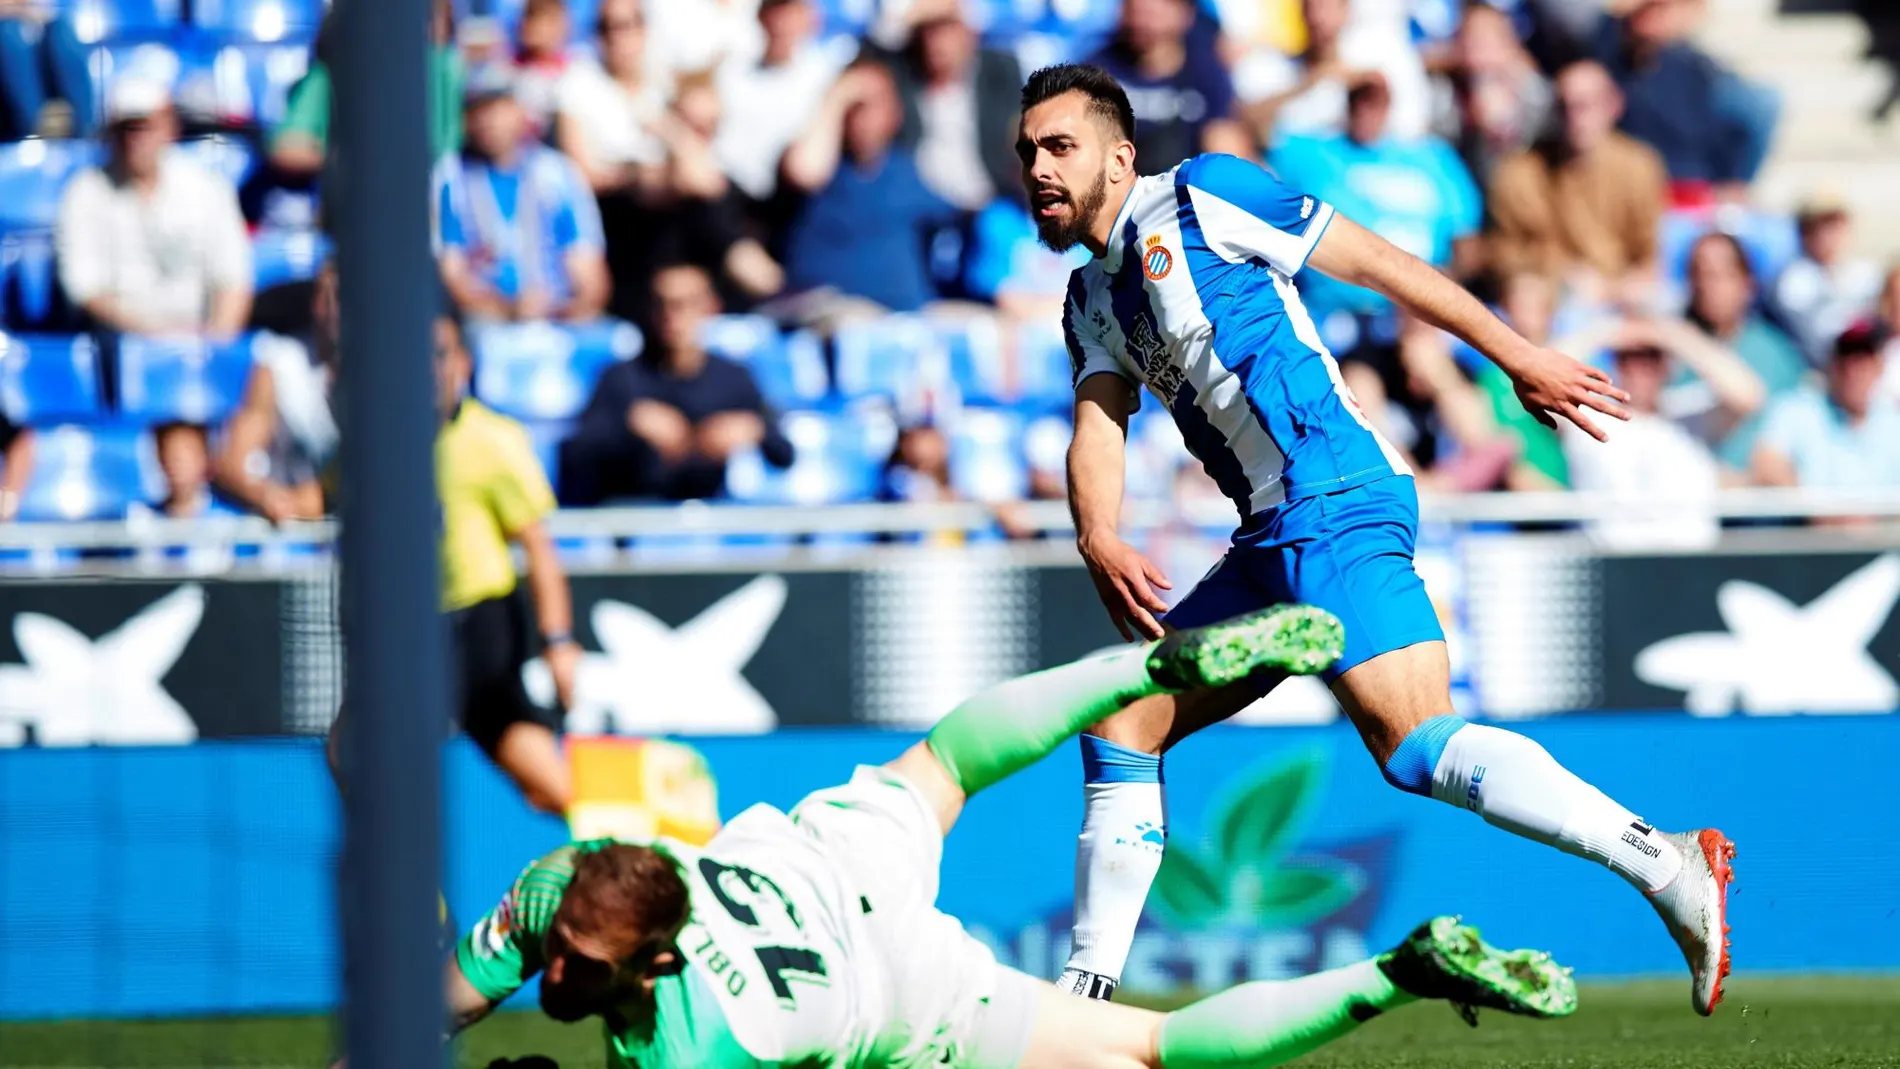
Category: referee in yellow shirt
[494,493]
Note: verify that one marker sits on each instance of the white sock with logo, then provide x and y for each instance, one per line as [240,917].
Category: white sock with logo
[1515,784]
[1124,826]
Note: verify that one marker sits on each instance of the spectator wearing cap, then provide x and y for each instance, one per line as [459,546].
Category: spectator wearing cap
[517,232]
[1414,192]
[1306,93]
[1723,306]
[664,425]
[1827,288]
[1500,102]
[773,99]
[1182,108]
[152,243]
[961,103]
[610,109]
[1841,436]
[1587,200]
[1659,467]
[857,244]
[298,143]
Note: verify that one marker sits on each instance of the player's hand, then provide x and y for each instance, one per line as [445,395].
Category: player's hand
[1550,384]
[1127,583]
[564,665]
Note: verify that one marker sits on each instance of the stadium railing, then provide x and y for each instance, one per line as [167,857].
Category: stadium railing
[1539,509]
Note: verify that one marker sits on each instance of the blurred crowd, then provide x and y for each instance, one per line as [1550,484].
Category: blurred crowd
[776,249]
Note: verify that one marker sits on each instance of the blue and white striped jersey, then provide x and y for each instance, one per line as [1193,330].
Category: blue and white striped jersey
[1194,297]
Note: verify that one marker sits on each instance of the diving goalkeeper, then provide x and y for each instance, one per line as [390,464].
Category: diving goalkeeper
[813,938]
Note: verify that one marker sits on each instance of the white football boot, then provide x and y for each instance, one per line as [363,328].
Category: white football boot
[1695,907]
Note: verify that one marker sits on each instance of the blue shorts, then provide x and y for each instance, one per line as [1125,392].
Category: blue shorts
[1349,553]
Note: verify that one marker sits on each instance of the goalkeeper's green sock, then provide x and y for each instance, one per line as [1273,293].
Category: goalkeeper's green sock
[1016,723]
[1270,1022]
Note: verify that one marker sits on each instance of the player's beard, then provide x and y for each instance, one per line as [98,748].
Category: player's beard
[1061,235]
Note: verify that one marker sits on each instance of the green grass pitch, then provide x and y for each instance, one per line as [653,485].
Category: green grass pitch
[1788,1023]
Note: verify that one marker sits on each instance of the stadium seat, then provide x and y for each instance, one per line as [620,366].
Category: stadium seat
[182,379]
[33,174]
[1024,365]
[837,457]
[104,20]
[790,369]
[222,154]
[546,371]
[90,473]
[30,297]
[263,21]
[49,379]
[280,255]
[847,17]
[986,455]
[898,357]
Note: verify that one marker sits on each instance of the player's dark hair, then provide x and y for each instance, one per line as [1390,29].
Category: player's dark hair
[622,895]
[1108,101]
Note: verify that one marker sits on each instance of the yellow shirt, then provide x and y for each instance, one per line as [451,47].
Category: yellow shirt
[492,488]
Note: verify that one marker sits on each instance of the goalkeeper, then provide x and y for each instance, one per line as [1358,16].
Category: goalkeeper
[813,938]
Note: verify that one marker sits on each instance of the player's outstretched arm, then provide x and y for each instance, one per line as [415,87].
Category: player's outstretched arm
[1549,384]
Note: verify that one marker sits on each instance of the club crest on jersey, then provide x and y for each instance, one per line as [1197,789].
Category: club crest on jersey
[1157,261]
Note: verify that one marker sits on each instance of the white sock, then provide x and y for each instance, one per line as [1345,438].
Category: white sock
[1124,828]
[1515,784]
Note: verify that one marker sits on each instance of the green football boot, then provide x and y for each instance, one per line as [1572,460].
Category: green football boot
[1298,639]
[1443,959]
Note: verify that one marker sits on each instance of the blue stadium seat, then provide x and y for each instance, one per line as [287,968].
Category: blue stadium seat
[986,455]
[181,380]
[790,369]
[30,297]
[848,17]
[221,154]
[546,371]
[105,20]
[893,357]
[49,379]
[1086,19]
[264,21]
[90,473]
[838,457]
[1770,239]
[281,254]
[33,174]
[1021,365]
[582,16]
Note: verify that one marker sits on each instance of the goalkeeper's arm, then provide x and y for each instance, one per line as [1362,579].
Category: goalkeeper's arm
[465,1004]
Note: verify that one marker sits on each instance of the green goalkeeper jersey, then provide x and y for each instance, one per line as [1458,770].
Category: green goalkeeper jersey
[765,984]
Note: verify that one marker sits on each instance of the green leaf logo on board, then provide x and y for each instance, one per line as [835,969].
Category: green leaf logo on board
[1243,869]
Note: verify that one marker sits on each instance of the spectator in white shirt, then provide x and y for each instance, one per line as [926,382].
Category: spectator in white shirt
[1306,93]
[768,103]
[1826,289]
[152,243]
[1658,468]
[609,112]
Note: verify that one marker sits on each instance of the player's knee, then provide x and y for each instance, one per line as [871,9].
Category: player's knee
[1105,761]
[1411,765]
